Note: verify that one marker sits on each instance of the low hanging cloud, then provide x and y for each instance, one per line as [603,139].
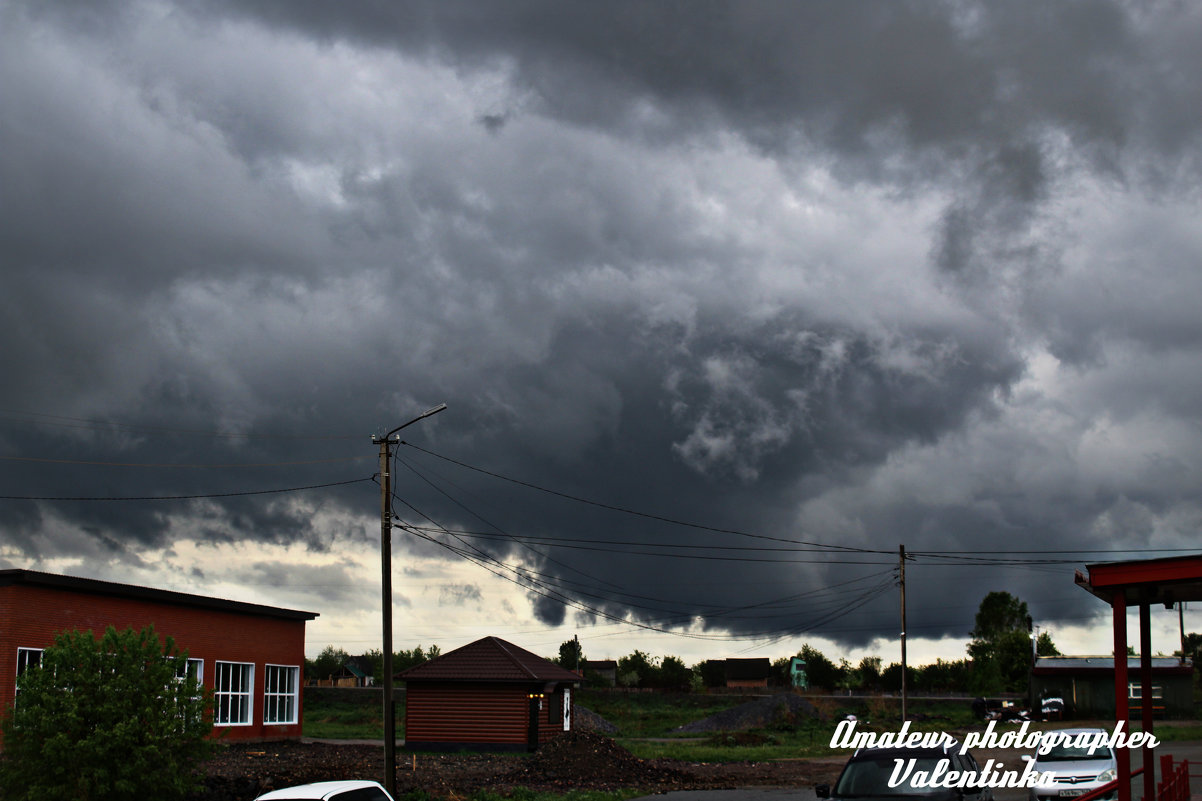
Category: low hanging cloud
[917,273]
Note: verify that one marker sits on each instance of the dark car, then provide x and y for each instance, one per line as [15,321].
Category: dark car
[867,774]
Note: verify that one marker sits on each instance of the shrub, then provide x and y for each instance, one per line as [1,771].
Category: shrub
[112,718]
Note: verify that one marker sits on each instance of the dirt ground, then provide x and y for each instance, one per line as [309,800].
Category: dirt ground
[583,760]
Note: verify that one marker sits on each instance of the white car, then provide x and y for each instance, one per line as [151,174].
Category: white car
[1075,770]
[350,790]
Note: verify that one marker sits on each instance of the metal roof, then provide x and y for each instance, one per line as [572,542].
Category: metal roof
[1161,664]
[113,589]
[1152,581]
[1106,662]
[490,659]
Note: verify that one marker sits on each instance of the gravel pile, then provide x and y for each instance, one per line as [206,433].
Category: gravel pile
[584,719]
[784,709]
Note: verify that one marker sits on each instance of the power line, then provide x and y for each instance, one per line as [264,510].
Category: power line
[93,423]
[163,465]
[184,497]
[635,512]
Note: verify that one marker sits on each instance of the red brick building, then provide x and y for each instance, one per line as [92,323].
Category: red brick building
[487,695]
[250,656]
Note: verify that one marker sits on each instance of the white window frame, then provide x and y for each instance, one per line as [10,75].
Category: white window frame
[242,691]
[1135,691]
[180,675]
[273,695]
[23,663]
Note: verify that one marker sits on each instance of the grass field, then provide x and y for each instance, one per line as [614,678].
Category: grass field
[646,723]
[339,714]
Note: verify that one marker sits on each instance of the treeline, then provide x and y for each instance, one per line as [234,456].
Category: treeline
[639,669]
[334,663]
[998,659]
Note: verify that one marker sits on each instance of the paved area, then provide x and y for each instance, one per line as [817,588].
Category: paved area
[1190,750]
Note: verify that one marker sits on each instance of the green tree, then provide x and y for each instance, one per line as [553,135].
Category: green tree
[891,677]
[571,654]
[870,672]
[1193,642]
[943,676]
[674,674]
[1000,646]
[849,678]
[712,672]
[821,671]
[637,670]
[327,663]
[1044,645]
[115,718]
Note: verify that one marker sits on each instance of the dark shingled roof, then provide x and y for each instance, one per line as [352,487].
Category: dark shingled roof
[490,659]
[110,588]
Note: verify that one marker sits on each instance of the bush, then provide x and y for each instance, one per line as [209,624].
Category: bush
[114,718]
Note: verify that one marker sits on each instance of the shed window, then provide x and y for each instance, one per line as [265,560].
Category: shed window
[1135,691]
[232,693]
[280,694]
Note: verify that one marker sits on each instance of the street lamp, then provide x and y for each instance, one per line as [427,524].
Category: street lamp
[386,442]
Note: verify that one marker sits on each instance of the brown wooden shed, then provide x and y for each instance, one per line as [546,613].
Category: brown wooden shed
[752,672]
[489,695]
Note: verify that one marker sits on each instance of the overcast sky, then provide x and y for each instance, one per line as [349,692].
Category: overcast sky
[697,281]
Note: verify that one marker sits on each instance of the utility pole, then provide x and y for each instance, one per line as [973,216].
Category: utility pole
[901,563]
[1181,627]
[386,442]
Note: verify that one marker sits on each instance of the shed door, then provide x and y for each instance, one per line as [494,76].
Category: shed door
[536,705]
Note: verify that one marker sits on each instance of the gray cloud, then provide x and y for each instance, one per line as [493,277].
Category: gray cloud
[912,273]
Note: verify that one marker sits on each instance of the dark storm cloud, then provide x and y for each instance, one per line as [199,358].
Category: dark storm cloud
[796,270]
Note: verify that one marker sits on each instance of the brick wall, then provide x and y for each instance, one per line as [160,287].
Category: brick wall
[30,616]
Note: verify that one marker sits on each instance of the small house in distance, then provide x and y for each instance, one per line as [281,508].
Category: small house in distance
[748,672]
[602,671]
[250,656]
[487,695]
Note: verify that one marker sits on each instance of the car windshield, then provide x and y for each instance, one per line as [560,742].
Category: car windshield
[1069,753]
[870,777]
[365,794]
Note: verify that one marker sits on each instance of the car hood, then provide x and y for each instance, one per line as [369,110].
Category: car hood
[936,794]
[1074,767]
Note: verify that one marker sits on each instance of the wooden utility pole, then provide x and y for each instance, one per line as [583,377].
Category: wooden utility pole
[386,606]
[386,442]
[901,563]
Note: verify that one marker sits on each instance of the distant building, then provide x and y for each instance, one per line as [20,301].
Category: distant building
[354,672]
[488,695]
[1086,684]
[250,656]
[748,672]
[603,671]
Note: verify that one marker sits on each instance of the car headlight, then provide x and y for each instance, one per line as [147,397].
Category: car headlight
[1107,775]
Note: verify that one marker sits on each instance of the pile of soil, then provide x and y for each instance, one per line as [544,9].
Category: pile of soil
[588,759]
[771,711]
[242,771]
[579,759]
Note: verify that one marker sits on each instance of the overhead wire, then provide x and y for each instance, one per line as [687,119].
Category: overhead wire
[184,497]
[93,424]
[490,563]
[561,581]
